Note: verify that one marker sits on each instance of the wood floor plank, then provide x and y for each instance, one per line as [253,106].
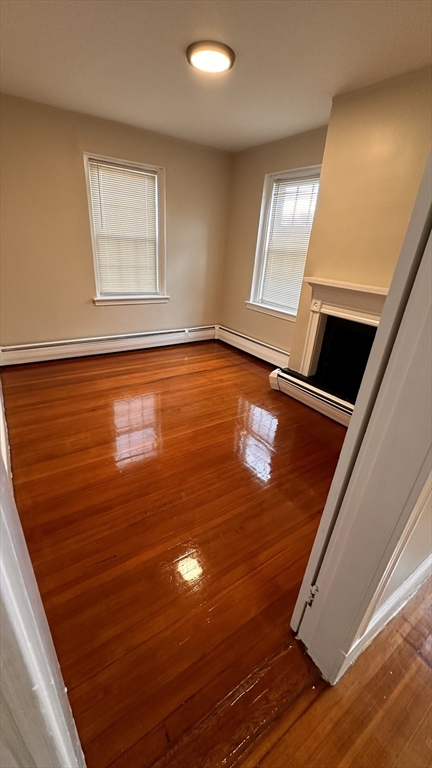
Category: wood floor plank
[111,643]
[116,689]
[245,713]
[169,499]
[379,714]
[196,691]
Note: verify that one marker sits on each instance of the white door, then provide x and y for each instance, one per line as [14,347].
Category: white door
[383,463]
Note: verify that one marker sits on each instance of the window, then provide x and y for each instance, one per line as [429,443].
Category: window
[287,212]
[126,212]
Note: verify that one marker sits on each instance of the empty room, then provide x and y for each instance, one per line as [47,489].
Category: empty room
[216,383]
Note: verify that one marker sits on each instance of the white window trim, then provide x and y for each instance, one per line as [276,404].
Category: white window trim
[297,174]
[161,297]
[141,299]
[266,309]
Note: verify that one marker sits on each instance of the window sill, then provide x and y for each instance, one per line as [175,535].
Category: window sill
[101,301]
[271,311]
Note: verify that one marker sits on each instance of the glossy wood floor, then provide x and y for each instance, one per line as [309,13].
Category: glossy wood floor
[170,499]
[378,716]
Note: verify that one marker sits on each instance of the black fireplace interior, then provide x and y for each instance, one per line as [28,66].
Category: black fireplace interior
[344,354]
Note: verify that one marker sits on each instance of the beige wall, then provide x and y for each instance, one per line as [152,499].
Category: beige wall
[250,167]
[377,144]
[376,147]
[47,277]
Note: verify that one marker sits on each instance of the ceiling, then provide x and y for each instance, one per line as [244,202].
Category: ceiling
[125,60]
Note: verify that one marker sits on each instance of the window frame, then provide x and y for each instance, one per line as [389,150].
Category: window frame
[161,297]
[297,174]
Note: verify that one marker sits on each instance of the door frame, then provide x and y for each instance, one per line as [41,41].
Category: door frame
[37,722]
[325,578]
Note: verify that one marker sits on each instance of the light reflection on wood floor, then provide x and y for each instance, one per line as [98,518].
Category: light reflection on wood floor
[170,500]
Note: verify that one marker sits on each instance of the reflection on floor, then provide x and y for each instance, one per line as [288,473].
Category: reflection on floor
[170,499]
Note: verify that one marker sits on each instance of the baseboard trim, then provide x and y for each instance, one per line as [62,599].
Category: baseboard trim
[57,350]
[328,405]
[260,349]
[101,345]
[388,610]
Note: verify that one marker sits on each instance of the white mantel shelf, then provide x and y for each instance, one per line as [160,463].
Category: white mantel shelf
[325,283]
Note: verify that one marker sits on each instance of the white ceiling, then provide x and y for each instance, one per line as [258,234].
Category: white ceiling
[124,60]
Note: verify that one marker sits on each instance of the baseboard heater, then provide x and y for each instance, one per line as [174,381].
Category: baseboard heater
[331,406]
[97,345]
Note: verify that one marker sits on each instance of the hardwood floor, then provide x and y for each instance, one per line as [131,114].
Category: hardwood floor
[170,500]
[378,716]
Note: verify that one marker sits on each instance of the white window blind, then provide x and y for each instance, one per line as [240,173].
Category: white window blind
[125,228]
[289,215]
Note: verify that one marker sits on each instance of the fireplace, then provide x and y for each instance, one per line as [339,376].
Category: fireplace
[345,350]
[342,324]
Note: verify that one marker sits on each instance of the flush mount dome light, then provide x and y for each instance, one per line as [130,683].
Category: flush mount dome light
[209,56]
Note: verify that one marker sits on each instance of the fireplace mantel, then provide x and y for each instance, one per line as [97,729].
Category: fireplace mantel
[324,283]
[360,303]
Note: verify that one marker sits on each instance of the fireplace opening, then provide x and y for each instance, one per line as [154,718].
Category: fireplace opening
[345,350]
[343,358]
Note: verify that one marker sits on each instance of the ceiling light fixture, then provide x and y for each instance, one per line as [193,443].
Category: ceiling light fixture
[209,56]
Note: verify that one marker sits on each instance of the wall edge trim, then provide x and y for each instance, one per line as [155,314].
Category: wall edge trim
[45,351]
[99,345]
[260,349]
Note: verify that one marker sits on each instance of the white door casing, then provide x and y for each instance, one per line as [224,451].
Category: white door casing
[340,510]
[390,472]
[37,726]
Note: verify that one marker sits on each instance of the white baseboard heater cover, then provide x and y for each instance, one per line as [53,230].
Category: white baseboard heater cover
[329,405]
[98,345]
